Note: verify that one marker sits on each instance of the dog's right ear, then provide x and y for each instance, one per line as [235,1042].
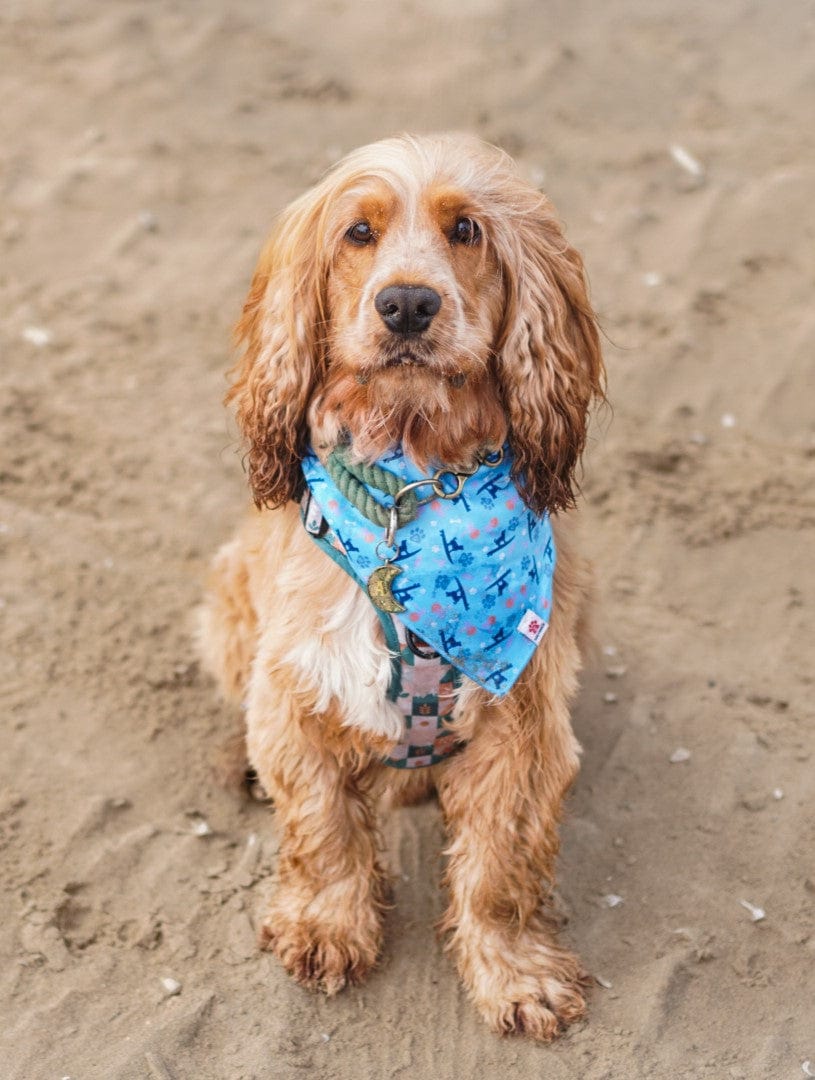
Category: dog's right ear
[282,337]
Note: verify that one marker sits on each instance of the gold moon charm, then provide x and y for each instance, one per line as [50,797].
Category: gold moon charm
[379,588]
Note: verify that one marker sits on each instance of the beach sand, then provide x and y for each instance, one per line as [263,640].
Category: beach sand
[144,151]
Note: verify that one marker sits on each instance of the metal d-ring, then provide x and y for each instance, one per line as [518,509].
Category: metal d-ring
[386,558]
[441,491]
[493,459]
[412,487]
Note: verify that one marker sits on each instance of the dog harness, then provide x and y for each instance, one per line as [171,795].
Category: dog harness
[465,591]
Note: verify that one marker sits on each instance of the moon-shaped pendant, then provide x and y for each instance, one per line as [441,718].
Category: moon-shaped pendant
[379,588]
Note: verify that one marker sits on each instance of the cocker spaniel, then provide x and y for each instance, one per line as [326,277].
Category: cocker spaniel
[401,614]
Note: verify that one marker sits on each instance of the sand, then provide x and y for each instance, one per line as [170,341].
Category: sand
[144,150]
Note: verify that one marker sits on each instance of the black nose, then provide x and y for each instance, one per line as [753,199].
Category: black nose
[407,309]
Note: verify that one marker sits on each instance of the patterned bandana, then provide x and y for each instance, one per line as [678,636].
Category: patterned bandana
[476,580]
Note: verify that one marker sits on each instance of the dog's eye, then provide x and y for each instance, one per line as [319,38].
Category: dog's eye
[361,233]
[466,231]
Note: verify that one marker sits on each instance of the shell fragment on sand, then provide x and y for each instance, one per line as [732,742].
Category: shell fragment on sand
[679,755]
[37,335]
[756,913]
[616,672]
[686,161]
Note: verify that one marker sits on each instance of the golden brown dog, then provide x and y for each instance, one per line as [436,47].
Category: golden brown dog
[485,335]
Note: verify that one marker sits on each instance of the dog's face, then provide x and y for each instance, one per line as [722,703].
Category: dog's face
[421,294]
[414,285]
[414,301]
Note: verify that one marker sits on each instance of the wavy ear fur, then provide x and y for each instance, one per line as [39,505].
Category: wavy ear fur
[550,364]
[282,335]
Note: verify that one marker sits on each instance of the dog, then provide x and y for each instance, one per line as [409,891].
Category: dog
[417,315]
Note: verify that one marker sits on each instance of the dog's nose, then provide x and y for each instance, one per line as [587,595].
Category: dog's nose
[407,309]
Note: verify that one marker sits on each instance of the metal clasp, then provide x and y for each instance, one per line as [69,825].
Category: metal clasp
[492,460]
[441,492]
[393,524]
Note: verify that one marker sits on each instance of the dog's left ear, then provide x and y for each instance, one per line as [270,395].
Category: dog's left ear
[549,360]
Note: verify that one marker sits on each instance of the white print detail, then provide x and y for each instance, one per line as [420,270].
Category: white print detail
[532,626]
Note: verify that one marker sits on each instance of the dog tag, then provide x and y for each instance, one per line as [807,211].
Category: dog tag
[379,588]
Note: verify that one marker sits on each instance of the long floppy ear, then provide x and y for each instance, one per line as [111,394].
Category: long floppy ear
[282,335]
[549,358]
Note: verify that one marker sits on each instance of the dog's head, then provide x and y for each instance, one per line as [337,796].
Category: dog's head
[422,293]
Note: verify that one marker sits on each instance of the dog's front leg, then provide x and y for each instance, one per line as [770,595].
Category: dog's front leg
[324,922]
[501,799]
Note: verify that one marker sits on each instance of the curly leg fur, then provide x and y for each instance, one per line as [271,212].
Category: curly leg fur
[501,796]
[324,922]
[501,799]
[502,815]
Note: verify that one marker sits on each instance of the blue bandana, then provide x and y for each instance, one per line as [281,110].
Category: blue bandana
[476,581]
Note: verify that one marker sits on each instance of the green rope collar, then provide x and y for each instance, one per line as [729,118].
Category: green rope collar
[354,478]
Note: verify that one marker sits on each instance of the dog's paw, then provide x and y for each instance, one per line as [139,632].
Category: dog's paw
[322,955]
[525,985]
[543,1017]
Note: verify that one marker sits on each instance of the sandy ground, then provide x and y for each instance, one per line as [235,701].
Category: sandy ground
[144,150]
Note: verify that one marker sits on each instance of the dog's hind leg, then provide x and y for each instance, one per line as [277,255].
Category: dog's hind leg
[227,623]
